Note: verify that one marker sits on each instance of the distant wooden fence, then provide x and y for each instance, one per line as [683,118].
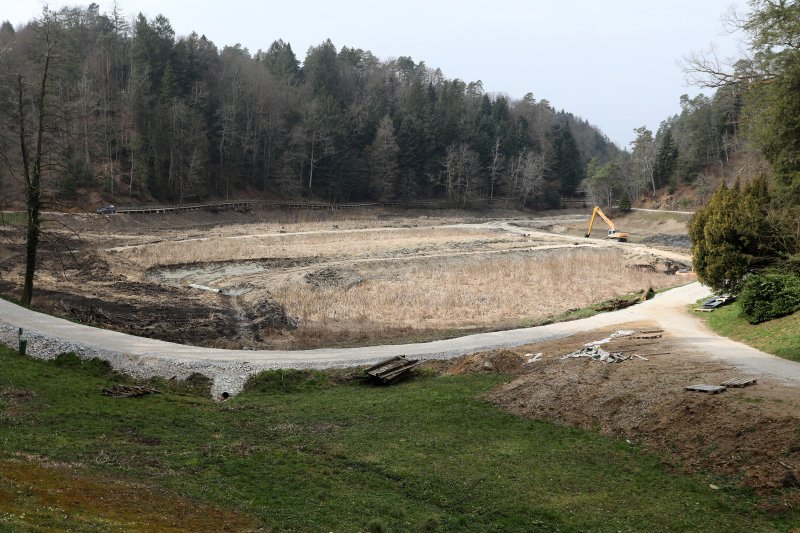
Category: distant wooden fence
[416,204]
[578,203]
[245,204]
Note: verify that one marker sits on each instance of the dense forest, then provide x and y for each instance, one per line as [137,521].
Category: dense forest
[746,238]
[130,109]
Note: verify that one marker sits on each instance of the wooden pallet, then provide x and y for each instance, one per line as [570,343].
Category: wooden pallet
[706,388]
[739,382]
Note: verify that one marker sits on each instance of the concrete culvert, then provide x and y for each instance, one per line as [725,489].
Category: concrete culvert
[225,395]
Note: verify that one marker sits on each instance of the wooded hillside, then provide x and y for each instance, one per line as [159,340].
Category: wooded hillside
[137,112]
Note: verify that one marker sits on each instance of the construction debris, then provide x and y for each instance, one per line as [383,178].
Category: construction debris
[531,358]
[125,391]
[618,333]
[708,389]
[392,370]
[593,350]
[598,354]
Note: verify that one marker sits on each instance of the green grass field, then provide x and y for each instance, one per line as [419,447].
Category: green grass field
[780,336]
[13,218]
[307,451]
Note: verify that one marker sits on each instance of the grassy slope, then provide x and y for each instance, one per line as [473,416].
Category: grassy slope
[780,336]
[308,454]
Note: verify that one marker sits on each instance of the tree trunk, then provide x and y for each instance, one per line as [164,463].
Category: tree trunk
[32,179]
[311,169]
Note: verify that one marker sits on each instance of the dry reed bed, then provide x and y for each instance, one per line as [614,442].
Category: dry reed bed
[376,242]
[479,292]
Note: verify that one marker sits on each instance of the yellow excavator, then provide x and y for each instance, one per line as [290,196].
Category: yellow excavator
[619,236]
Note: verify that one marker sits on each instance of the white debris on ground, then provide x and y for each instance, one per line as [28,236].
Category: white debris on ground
[618,333]
[598,354]
[593,350]
[531,358]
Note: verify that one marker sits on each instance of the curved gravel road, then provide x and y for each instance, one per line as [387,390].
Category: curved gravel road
[229,369]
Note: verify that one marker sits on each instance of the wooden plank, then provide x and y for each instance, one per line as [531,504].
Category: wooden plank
[706,388]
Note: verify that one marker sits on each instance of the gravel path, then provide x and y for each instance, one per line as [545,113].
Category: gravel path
[229,369]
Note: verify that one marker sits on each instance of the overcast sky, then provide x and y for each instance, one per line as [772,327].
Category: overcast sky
[613,63]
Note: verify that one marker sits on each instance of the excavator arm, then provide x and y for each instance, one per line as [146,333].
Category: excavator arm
[604,217]
[598,211]
[591,222]
[613,234]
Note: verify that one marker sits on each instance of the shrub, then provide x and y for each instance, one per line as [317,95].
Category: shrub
[770,295]
[730,235]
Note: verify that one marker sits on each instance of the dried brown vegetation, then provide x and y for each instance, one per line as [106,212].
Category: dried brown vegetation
[483,291]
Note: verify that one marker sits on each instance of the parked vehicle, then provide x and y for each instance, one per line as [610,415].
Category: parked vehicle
[107,210]
[715,302]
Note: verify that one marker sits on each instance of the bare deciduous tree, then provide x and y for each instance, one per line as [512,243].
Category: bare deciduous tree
[460,166]
[33,163]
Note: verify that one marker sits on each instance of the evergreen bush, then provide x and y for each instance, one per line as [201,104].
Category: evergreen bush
[769,295]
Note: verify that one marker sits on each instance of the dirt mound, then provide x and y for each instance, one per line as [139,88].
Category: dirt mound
[333,277]
[503,361]
[271,315]
[748,435]
[656,264]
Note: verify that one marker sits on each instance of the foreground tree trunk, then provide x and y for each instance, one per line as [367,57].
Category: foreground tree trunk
[33,173]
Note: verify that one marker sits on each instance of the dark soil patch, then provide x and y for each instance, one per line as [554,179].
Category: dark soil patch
[272,316]
[161,312]
[334,277]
